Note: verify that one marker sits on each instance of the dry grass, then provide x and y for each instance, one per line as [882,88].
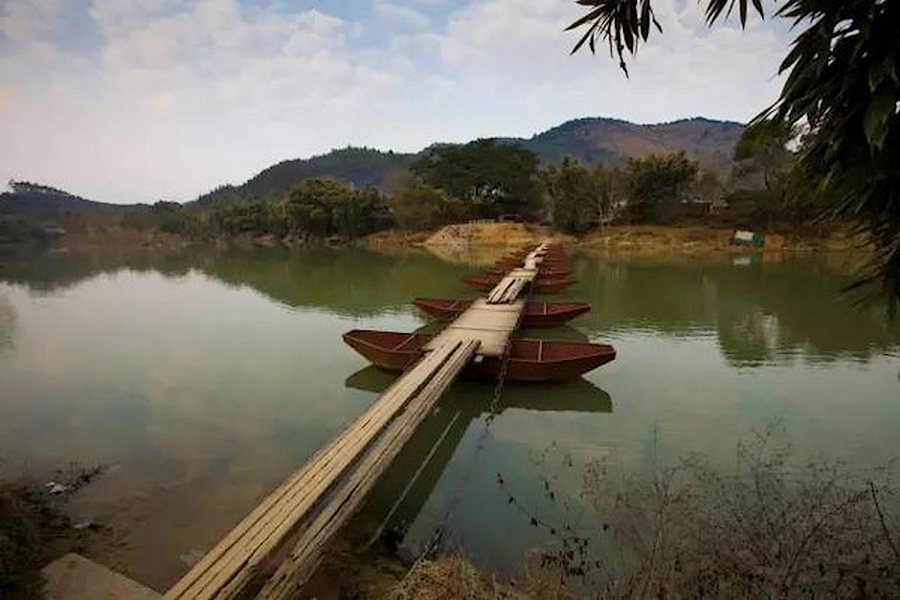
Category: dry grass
[772,527]
[396,238]
[692,239]
[456,578]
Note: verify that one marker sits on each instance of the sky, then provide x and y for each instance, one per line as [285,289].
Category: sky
[145,100]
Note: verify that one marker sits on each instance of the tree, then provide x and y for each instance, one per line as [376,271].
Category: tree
[613,183]
[421,206]
[761,174]
[574,194]
[708,187]
[495,178]
[659,184]
[843,81]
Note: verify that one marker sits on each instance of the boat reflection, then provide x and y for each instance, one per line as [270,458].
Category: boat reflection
[399,496]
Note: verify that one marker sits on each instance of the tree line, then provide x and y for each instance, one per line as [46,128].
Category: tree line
[487,179]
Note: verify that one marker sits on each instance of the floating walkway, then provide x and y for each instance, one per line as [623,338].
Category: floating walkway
[277,547]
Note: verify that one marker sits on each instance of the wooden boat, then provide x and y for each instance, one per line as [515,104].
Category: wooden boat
[545,265]
[529,360]
[536,314]
[551,272]
[539,286]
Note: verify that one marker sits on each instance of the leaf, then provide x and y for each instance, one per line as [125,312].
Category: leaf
[591,16]
[757,4]
[645,19]
[583,39]
[876,118]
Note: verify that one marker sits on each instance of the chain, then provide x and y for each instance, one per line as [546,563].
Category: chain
[493,410]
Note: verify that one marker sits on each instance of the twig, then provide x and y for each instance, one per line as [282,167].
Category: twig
[884,527]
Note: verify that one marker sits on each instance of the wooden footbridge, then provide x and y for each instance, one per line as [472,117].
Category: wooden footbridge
[277,547]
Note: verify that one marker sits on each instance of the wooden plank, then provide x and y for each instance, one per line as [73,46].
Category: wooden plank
[74,577]
[307,552]
[224,570]
[490,324]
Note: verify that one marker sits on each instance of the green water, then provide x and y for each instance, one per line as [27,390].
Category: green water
[203,379]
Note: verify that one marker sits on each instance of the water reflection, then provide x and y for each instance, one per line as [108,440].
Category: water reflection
[399,496]
[7,322]
[760,313]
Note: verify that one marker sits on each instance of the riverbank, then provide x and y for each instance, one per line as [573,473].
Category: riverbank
[621,238]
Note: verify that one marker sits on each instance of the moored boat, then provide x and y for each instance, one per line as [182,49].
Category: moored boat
[535,314]
[551,272]
[529,360]
[541,285]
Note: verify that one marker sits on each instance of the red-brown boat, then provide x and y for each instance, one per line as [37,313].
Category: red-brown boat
[551,272]
[536,314]
[540,285]
[548,263]
[529,360]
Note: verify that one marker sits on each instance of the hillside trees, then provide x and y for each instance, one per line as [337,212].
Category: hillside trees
[574,195]
[493,178]
[658,184]
[421,206]
[762,175]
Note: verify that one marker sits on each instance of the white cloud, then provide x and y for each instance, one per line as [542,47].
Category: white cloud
[179,96]
[401,15]
[23,20]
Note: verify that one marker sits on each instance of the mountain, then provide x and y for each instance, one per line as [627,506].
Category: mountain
[594,140]
[590,140]
[362,167]
[44,202]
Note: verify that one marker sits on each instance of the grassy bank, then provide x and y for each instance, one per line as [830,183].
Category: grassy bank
[649,239]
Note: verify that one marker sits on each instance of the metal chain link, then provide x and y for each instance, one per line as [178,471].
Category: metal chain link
[493,410]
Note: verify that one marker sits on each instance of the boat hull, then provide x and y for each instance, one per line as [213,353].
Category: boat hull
[529,360]
[535,314]
[539,286]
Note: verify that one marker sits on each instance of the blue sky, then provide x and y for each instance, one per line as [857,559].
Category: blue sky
[141,100]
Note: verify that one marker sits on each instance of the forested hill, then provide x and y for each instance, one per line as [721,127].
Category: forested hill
[591,140]
[44,202]
[362,167]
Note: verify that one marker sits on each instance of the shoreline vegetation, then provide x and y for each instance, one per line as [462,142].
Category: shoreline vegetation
[767,523]
[492,239]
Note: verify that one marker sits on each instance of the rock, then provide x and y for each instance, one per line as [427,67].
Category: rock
[57,488]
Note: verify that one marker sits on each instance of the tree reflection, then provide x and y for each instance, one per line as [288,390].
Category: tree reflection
[7,322]
[760,312]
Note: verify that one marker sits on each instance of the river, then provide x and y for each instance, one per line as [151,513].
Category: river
[200,380]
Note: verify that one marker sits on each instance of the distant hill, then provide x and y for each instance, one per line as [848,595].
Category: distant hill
[44,202]
[594,140]
[362,167]
[591,140]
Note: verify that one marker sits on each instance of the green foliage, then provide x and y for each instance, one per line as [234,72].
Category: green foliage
[496,178]
[659,184]
[325,207]
[843,81]
[361,167]
[170,217]
[574,195]
[420,206]
[762,177]
[314,208]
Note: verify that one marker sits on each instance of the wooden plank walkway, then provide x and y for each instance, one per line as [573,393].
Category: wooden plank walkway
[239,558]
[293,525]
[490,324]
